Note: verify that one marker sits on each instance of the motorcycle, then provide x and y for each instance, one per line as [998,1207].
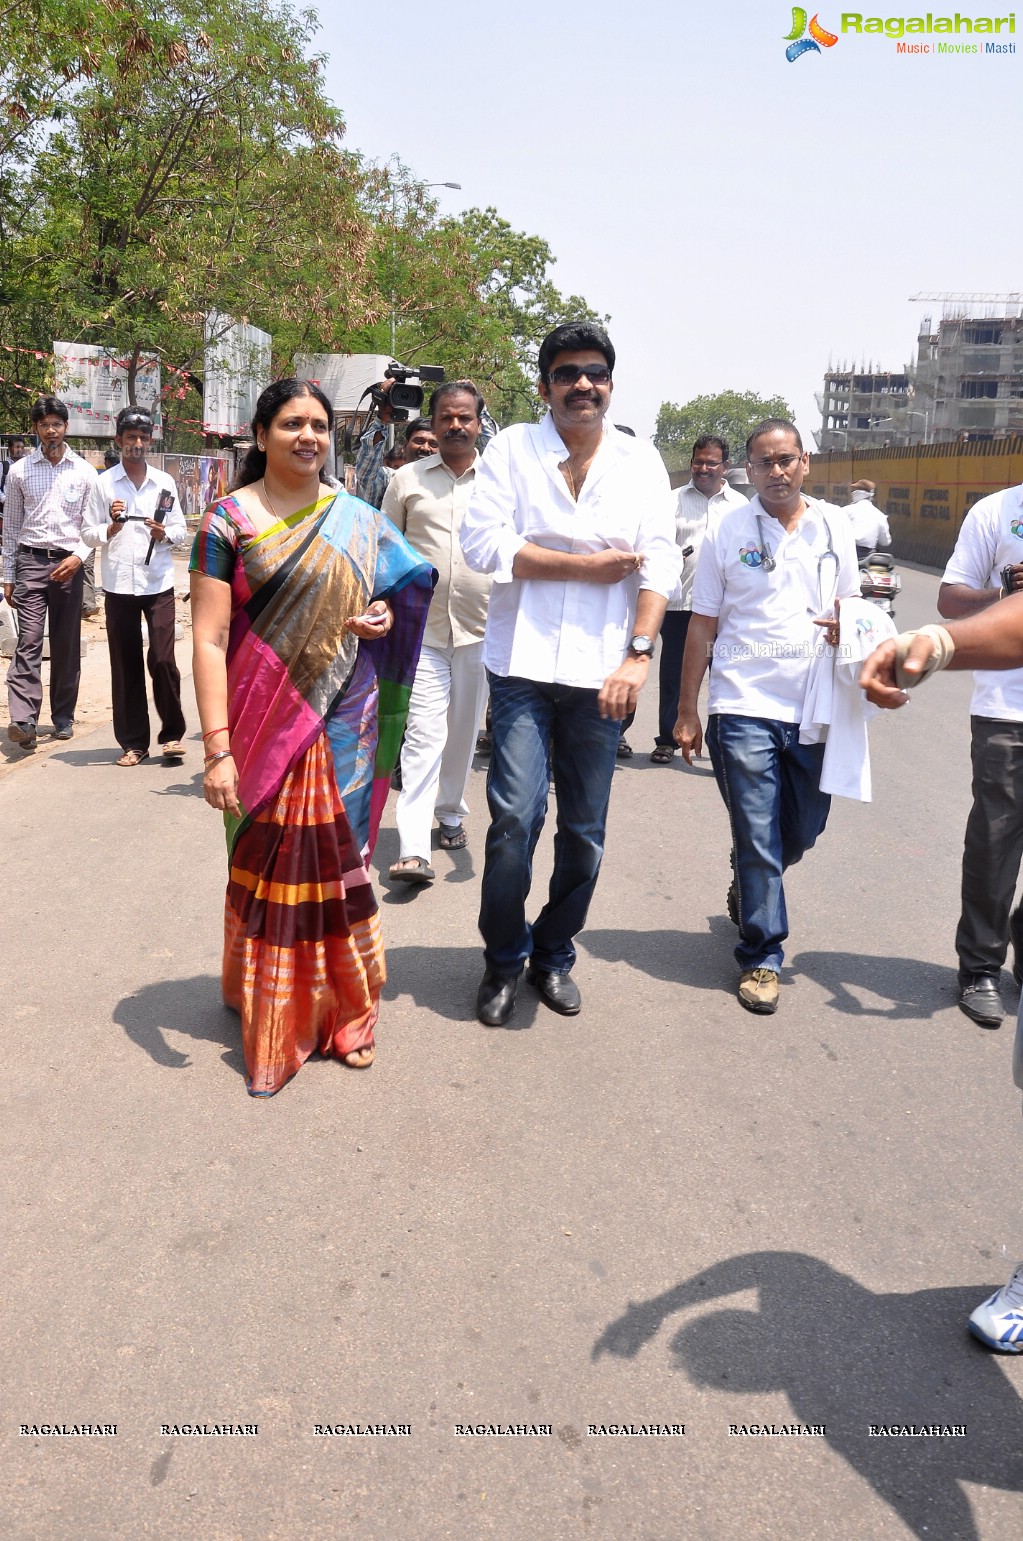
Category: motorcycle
[879,582]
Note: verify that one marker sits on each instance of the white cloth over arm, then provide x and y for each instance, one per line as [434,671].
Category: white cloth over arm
[836,710]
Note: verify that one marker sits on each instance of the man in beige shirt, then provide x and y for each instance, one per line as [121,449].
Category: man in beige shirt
[427,500]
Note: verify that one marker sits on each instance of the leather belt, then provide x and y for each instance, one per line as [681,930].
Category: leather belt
[48,553]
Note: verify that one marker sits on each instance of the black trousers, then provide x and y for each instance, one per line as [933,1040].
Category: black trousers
[124,614]
[993,847]
[36,597]
[674,630]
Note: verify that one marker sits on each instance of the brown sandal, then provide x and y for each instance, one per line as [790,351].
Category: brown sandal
[132,757]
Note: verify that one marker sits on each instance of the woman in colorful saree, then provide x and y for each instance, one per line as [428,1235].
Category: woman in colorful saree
[308,610]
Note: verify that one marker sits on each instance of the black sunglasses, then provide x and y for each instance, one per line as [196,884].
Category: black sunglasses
[568,374]
[137,420]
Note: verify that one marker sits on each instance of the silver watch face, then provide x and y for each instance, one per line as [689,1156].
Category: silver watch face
[641,646]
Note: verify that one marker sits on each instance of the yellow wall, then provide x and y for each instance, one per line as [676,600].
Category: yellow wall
[925,490]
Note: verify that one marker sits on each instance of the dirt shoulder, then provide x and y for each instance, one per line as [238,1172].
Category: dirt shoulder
[94,709]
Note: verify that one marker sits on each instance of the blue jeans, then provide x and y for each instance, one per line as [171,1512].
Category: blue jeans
[771,786]
[543,732]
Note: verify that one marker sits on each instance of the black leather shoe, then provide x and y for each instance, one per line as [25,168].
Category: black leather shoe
[495,999]
[560,991]
[979,998]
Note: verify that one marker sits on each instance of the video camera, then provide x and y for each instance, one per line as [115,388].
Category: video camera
[406,394]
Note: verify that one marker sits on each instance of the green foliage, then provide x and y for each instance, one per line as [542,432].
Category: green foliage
[161,162]
[731,415]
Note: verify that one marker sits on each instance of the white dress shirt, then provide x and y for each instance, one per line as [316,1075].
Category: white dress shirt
[555,632]
[869,524]
[124,556]
[991,538]
[427,502]
[46,505]
[693,515]
[766,637]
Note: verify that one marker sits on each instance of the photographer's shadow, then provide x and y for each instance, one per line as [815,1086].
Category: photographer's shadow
[190,1008]
[848,1358]
[915,990]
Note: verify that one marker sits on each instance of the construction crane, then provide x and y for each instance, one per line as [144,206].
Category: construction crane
[974,298]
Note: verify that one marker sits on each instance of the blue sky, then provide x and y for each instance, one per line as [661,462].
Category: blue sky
[742,219]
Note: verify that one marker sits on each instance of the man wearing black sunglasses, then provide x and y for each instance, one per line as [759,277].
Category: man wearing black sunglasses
[575,521]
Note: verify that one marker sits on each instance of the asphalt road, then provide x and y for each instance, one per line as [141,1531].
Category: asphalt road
[663,1212]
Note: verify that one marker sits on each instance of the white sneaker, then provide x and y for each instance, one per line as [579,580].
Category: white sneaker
[999,1321]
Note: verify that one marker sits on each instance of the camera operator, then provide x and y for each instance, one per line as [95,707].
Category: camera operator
[370,475]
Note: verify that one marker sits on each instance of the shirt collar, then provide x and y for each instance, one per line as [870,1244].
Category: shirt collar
[119,474]
[554,444]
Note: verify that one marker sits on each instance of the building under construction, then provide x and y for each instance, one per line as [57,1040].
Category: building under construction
[966,383]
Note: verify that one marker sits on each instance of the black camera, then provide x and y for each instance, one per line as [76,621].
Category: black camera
[1008,577]
[406,394]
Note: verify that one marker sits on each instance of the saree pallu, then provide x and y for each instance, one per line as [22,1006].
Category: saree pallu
[315,718]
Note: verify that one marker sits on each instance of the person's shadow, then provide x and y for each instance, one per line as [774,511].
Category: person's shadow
[915,989]
[188,1007]
[908,989]
[849,1359]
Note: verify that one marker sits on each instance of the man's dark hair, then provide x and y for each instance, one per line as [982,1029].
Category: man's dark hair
[111,458]
[705,441]
[48,406]
[453,387]
[134,417]
[269,404]
[16,438]
[418,425]
[772,425]
[574,337]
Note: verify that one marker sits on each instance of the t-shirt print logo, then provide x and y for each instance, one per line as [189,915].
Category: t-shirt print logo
[799,44]
[751,556]
[1017,527]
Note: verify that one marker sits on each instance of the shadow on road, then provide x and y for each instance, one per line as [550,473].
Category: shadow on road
[191,1008]
[916,990]
[700,959]
[897,989]
[445,980]
[847,1358]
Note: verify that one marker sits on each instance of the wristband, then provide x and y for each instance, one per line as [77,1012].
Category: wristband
[211,759]
[940,658]
[212,733]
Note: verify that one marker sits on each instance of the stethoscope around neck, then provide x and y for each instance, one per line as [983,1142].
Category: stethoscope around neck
[770,561]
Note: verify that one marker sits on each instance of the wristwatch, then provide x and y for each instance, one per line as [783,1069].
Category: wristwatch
[641,647]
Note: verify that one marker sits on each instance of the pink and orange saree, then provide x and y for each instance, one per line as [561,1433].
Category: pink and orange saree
[315,718]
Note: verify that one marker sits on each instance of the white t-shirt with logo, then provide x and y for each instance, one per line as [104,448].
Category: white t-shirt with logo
[766,635]
[991,538]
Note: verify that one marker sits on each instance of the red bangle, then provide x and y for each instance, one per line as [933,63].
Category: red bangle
[213,732]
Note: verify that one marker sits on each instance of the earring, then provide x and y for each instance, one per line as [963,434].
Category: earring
[261,447]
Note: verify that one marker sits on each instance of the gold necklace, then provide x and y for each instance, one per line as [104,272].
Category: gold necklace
[266,498]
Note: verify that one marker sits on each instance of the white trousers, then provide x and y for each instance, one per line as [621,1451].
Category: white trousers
[448,696]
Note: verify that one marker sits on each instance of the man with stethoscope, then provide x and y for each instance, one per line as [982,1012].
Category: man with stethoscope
[768,574]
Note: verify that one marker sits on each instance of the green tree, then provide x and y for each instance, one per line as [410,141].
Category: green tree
[730,414]
[210,177]
[471,294]
[158,164]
